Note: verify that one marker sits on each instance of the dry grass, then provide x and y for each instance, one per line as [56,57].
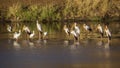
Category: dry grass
[56,9]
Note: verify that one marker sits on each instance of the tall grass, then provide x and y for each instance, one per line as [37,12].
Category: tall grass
[14,11]
[92,9]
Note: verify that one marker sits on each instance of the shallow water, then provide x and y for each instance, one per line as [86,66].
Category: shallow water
[56,53]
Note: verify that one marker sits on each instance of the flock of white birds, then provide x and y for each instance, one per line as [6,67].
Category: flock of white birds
[30,34]
[74,31]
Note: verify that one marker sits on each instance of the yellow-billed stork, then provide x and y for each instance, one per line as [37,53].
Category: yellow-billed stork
[99,28]
[107,32]
[16,35]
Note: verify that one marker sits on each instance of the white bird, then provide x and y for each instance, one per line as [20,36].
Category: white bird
[76,36]
[16,45]
[17,35]
[9,28]
[86,27]
[26,29]
[77,30]
[107,45]
[66,30]
[99,28]
[107,32]
[39,26]
[43,34]
[32,34]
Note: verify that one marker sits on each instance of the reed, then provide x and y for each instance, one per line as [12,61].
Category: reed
[70,9]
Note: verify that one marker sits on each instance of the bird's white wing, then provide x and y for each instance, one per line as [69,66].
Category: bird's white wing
[39,27]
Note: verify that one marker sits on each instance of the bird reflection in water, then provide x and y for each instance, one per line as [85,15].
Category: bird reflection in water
[40,43]
[31,44]
[16,45]
[25,43]
[105,46]
[100,43]
[66,43]
[74,45]
[107,49]
[44,41]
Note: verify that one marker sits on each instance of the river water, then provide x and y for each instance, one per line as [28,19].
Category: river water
[59,53]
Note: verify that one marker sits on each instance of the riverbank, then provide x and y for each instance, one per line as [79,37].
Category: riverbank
[60,11]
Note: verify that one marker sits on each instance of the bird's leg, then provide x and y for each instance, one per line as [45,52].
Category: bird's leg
[108,40]
[88,33]
[85,34]
[79,37]
[68,37]
[101,36]
[39,35]
[43,37]
[16,39]
[74,39]
[26,37]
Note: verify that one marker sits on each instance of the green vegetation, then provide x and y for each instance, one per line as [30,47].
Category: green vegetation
[69,9]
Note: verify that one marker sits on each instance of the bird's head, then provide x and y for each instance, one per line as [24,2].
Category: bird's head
[98,25]
[23,27]
[106,27]
[37,21]
[64,26]
[84,24]
[75,24]
[19,31]
[33,31]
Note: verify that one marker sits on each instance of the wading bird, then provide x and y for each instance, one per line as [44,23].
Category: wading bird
[76,28]
[67,31]
[87,28]
[29,33]
[17,35]
[76,37]
[75,32]
[107,32]
[43,34]
[39,27]
[9,28]
[26,29]
[99,28]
